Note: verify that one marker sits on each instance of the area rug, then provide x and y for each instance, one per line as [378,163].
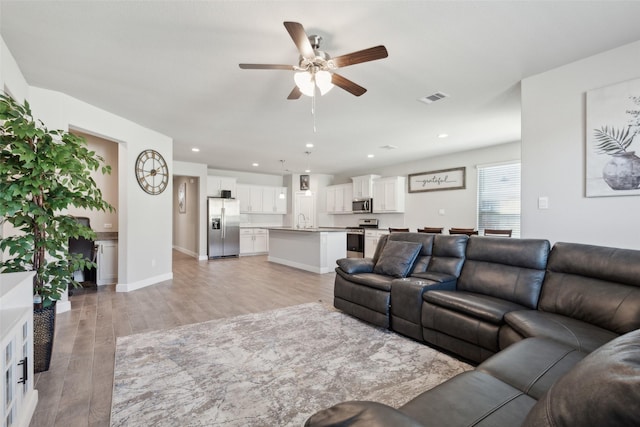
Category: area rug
[274,368]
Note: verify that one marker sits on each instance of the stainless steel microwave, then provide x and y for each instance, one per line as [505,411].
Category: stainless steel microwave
[362,205]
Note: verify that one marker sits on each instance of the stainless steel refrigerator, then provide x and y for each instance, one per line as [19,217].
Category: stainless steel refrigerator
[224,227]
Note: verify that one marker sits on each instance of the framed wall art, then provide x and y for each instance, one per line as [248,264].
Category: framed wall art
[182,198]
[304,182]
[443,179]
[613,140]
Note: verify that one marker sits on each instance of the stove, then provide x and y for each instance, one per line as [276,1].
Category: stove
[355,237]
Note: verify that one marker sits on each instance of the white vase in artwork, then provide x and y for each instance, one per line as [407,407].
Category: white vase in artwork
[622,172]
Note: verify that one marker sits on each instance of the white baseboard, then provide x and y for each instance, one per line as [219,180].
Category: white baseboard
[128,287]
[185,251]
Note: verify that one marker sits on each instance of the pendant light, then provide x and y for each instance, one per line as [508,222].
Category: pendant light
[281,195]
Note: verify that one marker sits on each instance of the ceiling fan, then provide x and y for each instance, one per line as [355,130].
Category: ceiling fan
[316,69]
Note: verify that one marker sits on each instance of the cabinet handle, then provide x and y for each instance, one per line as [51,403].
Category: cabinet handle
[25,371]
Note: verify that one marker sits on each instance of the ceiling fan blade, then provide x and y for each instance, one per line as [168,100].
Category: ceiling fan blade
[266,67]
[347,85]
[295,93]
[365,55]
[300,38]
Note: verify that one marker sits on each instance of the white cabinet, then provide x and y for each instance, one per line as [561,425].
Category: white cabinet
[215,185]
[107,260]
[363,186]
[254,241]
[388,194]
[371,238]
[339,198]
[274,200]
[18,399]
[259,199]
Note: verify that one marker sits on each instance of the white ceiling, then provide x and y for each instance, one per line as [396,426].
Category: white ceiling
[173,67]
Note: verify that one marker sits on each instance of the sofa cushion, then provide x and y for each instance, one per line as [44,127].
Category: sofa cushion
[361,414]
[434,276]
[478,306]
[448,254]
[595,284]
[532,365]
[509,269]
[601,390]
[470,399]
[397,258]
[424,256]
[581,335]
[356,265]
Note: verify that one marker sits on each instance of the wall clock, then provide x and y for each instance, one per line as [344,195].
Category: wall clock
[152,172]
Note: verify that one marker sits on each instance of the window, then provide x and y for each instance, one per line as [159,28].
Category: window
[499,197]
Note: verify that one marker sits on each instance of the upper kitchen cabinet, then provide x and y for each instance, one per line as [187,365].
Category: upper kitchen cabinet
[263,200]
[215,185]
[363,186]
[388,194]
[274,200]
[339,198]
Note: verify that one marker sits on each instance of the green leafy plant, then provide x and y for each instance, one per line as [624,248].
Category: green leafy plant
[42,173]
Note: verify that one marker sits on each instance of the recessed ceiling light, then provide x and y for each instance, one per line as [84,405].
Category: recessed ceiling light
[195,150]
[371,156]
[309,145]
[255,164]
[307,170]
[443,135]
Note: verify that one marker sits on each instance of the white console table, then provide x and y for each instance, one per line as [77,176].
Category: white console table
[18,399]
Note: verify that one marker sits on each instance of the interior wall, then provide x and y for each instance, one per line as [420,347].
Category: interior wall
[108,184]
[423,209]
[144,232]
[185,224]
[197,170]
[554,154]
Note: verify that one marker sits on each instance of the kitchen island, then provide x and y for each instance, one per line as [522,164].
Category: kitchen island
[311,249]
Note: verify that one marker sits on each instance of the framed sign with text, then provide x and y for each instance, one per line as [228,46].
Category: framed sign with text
[444,179]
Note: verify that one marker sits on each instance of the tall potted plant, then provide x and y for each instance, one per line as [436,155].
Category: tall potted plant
[43,172]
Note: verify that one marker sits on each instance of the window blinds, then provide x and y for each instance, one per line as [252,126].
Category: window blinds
[499,197]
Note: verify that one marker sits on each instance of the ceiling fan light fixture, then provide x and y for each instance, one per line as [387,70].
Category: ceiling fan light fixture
[323,81]
[304,81]
[308,80]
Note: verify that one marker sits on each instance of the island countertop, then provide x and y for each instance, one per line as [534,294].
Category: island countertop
[309,230]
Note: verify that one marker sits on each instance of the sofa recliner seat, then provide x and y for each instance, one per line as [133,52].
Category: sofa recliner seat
[590,295]
[361,290]
[498,276]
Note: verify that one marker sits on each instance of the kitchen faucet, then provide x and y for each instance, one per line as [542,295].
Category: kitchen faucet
[304,220]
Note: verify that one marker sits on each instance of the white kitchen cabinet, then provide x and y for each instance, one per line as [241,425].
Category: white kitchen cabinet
[274,200]
[371,238]
[107,260]
[339,198]
[18,399]
[363,186]
[261,199]
[388,194]
[254,241]
[215,185]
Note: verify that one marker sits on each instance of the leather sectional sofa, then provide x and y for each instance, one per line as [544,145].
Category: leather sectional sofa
[556,329]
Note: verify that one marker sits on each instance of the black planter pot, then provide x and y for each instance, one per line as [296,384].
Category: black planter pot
[44,325]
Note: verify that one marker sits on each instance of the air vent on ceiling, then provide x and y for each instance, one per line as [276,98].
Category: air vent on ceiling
[389,147]
[433,97]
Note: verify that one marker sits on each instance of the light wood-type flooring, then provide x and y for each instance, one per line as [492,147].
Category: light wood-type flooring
[76,391]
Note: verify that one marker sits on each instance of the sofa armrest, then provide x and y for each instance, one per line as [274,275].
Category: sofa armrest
[361,414]
[356,265]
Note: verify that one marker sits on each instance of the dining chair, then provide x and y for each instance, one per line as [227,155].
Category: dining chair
[397,230]
[467,231]
[496,232]
[434,230]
